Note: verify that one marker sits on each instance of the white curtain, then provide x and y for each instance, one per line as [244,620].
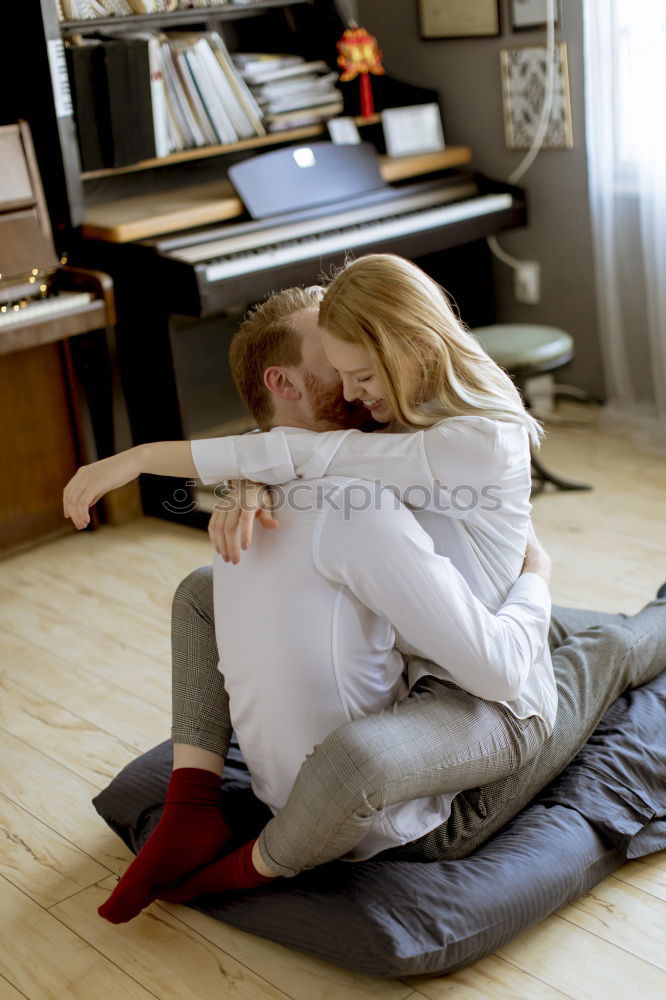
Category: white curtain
[625,103]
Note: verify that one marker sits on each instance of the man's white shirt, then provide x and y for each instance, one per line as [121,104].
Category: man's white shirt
[467,480]
[312,624]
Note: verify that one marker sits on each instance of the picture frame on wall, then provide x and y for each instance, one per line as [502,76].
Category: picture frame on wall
[459,18]
[523,88]
[529,15]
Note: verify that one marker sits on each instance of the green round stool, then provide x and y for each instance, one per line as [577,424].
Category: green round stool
[524,350]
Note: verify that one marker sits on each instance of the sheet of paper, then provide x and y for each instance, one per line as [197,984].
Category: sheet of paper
[343,131]
[414,129]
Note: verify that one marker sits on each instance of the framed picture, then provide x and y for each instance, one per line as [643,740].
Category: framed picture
[459,18]
[529,14]
[523,88]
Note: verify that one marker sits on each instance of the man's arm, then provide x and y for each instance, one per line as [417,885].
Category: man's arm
[388,561]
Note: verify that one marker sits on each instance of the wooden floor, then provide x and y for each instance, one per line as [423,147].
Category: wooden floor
[84,650]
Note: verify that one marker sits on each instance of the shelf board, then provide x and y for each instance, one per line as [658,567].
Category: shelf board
[129,219]
[201,152]
[164,19]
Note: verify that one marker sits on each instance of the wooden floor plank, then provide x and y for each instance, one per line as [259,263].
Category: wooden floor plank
[83,575]
[301,976]
[44,959]
[86,750]
[74,602]
[129,718]
[162,953]
[39,861]
[582,965]
[492,977]
[59,798]
[624,915]
[111,708]
[103,656]
[648,874]
[9,992]
[41,671]
[156,551]
[626,502]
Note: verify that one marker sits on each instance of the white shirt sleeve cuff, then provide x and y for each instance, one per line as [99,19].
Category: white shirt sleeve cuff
[264,458]
[533,588]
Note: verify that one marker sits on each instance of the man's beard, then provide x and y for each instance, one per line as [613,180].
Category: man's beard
[330,406]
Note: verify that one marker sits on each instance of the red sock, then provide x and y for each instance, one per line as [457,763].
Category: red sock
[190,833]
[235,871]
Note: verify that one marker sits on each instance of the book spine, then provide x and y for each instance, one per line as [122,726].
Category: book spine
[190,88]
[140,119]
[212,102]
[158,99]
[191,134]
[91,103]
[242,92]
[234,110]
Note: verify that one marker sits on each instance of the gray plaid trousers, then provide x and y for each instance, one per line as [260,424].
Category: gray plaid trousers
[424,745]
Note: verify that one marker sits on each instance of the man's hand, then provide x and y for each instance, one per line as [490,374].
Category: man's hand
[537,559]
[91,482]
[230,526]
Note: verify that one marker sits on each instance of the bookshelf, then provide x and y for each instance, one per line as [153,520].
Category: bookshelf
[203,152]
[174,18]
[42,96]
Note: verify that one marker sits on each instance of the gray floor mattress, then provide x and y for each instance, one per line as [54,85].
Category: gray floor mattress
[398,918]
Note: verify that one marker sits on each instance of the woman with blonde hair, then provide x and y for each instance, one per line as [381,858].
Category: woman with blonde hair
[454,445]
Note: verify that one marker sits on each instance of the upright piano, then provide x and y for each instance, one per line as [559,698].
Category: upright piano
[55,398]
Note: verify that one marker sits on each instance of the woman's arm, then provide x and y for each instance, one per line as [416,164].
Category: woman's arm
[91,482]
[388,562]
[422,467]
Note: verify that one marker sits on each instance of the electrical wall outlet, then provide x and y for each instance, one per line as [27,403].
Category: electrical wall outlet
[527,282]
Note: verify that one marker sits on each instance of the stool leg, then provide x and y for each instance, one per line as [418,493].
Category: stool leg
[542,476]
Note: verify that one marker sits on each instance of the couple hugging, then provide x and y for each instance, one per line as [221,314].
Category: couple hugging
[386,654]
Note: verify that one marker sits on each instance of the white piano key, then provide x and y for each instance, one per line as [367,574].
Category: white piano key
[357,236]
[40,310]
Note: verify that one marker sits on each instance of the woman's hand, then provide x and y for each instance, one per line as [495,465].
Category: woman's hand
[91,482]
[537,559]
[230,526]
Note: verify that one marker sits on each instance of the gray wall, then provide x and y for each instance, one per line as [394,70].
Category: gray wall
[466,73]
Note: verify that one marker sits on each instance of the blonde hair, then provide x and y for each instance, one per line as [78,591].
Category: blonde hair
[399,315]
[267,337]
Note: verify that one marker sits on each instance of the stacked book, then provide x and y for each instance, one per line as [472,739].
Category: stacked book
[290,91]
[142,95]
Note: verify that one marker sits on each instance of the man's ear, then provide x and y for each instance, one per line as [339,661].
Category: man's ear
[278,382]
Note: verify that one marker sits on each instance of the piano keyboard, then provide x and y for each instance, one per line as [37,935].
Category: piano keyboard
[340,232]
[41,310]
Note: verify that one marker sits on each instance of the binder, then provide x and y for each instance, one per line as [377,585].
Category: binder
[87,77]
[129,87]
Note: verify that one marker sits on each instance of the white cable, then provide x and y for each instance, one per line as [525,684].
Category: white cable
[540,132]
[542,127]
